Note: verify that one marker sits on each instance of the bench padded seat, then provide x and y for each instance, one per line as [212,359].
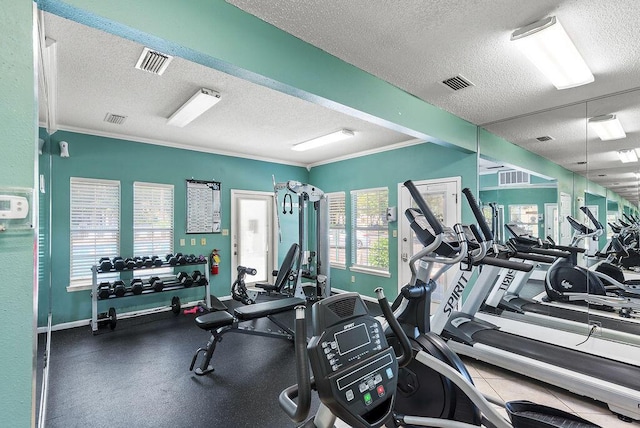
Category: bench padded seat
[260,310]
[214,320]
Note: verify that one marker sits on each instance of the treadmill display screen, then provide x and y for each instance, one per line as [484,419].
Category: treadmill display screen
[352,338]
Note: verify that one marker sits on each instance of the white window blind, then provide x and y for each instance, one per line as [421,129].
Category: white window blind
[95,226]
[369,226]
[152,219]
[337,229]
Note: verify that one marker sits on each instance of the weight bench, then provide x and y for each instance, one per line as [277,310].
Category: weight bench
[221,322]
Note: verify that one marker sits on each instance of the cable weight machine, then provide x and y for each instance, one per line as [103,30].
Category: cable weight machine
[312,277]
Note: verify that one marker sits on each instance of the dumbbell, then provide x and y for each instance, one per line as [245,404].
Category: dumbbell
[137,286]
[130,263]
[156,283]
[118,263]
[198,278]
[105,264]
[104,290]
[182,259]
[184,279]
[139,262]
[118,288]
[157,261]
[201,259]
[147,262]
[172,260]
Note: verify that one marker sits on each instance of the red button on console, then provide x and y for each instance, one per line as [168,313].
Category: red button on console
[380,390]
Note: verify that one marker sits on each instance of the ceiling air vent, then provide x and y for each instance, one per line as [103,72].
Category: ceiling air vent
[457,82]
[545,138]
[115,118]
[153,61]
[510,178]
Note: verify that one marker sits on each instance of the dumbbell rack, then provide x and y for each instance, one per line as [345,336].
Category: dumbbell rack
[168,286]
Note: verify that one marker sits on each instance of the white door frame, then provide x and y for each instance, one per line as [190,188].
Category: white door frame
[273,251]
[551,221]
[403,225]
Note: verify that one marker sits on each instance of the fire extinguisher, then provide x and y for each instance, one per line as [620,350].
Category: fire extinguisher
[214,262]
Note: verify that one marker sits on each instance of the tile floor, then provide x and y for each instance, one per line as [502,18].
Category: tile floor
[508,386]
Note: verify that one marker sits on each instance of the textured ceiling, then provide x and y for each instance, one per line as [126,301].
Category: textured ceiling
[414,45]
[96,76]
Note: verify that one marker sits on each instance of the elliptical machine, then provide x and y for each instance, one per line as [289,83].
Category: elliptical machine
[566,282]
[357,374]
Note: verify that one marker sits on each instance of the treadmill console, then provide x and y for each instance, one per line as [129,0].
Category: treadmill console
[355,369]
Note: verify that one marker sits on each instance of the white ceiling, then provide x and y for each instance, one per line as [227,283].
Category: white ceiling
[413,44]
[96,76]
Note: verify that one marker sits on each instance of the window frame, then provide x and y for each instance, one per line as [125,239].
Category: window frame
[169,210]
[382,232]
[341,228]
[85,281]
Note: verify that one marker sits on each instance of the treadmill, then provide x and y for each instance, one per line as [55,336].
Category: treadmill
[541,310]
[551,355]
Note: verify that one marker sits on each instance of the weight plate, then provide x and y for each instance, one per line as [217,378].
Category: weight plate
[175,305]
[113,318]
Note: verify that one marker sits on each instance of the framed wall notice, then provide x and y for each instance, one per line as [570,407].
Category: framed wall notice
[203,206]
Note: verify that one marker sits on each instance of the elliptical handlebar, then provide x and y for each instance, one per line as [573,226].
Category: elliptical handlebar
[482,222]
[407,352]
[302,389]
[433,221]
[589,214]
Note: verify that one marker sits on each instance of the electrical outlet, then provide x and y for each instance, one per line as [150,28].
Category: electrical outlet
[203,241]
[395,233]
[225,232]
[595,328]
[182,242]
[353,278]
[193,241]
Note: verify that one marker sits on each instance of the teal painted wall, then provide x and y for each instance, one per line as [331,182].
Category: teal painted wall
[387,169]
[17,260]
[107,158]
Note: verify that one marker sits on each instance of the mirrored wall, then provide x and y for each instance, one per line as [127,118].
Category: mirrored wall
[557,205]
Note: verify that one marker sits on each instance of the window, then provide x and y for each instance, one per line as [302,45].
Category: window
[337,229]
[369,233]
[95,226]
[525,216]
[152,220]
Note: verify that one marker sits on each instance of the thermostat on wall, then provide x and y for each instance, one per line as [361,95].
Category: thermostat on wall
[13,207]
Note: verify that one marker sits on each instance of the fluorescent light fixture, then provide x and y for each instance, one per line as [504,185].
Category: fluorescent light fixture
[343,134]
[627,156]
[550,49]
[608,127]
[200,102]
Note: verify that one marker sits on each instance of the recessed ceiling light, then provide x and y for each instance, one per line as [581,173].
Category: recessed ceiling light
[608,127]
[334,137]
[549,48]
[200,102]
[627,156]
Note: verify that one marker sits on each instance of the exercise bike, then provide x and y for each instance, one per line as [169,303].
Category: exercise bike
[358,377]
